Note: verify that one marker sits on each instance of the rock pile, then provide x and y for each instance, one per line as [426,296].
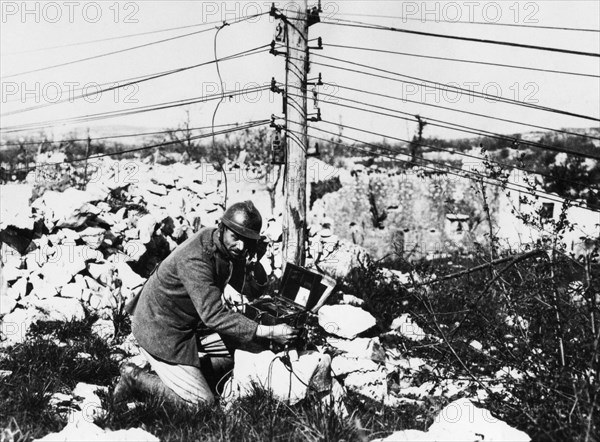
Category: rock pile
[68,253]
[64,253]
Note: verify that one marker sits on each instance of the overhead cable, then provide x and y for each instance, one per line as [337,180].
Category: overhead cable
[445,87]
[136,110]
[357,24]
[245,126]
[406,100]
[448,169]
[473,22]
[110,137]
[466,155]
[460,60]
[122,50]
[142,79]
[514,141]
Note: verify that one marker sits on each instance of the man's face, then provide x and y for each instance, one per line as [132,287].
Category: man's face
[236,245]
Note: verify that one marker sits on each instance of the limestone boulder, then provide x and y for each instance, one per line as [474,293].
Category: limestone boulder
[15,326]
[93,236]
[404,326]
[81,428]
[372,384]
[70,208]
[14,206]
[363,348]
[17,290]
[41,288]
[88,400]
[58,309]
[104,328]
[101,272]
[461,421]
[7,305]
[343,365]
[345,321]
[128,277]
[267,370]
[337,257]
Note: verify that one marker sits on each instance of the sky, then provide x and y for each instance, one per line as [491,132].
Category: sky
[35,35]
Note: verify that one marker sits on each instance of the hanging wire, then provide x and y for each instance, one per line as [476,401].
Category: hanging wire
[132,111]
[470,175]
[241,19]
[459,60]
[245,126]
[448,125]
[141,79]
[446,168]
[357,24]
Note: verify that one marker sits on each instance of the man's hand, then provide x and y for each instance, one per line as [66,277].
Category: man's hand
[261,247]
[281,333]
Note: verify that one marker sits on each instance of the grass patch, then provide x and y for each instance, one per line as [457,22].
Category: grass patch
[551,401]
[46,363]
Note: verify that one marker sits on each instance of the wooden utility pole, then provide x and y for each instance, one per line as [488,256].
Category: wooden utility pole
[87,154]
[294,215]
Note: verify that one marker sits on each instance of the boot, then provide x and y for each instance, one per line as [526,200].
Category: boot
[136,383]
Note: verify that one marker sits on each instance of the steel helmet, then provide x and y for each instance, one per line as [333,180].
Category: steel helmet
[244,219]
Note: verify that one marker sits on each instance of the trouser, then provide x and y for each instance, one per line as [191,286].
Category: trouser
[191,383]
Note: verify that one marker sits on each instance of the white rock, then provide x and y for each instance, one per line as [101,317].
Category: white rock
[15,325]
[462,421]
[274,230]
[132,233]
[405,326]
[42,289]
[102,272]
[146,225]
[59,399]
[104,329]
[128,277]
[345,321]
[352,300]
[14,206]
[163,179]
[372,384]
[68,261]
[88,400]
[210,219]
[339,257]
[36,259]
[366,348]
[342,365]
[93,236]
[476,345]
[70,208]
[421,391]
[72,290]
[18,290]
[90,283]
[67,236]
[267,370]
[134,249]
[7,304]
[59,309]
[510,372]
[174,203]
[411,364]
[81,429]
[11,264]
